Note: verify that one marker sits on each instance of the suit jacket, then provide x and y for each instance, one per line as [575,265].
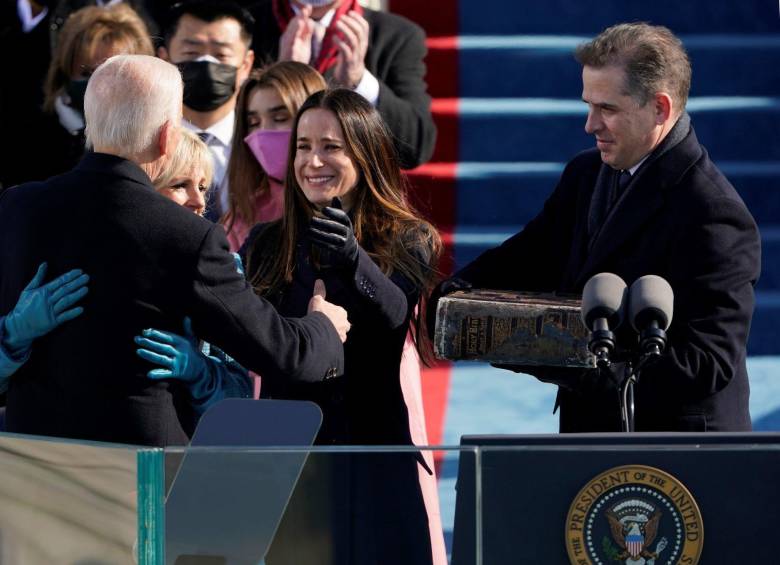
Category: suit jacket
[151,262]
[395,56]
[682,220]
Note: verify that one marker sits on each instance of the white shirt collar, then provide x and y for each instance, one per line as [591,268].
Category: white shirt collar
[26,18]
[633,169]
[222,130]
[324,20]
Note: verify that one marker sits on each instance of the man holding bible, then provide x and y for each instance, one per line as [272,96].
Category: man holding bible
[646,200]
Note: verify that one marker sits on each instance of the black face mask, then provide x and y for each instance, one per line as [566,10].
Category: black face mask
[75,89]
[207,85]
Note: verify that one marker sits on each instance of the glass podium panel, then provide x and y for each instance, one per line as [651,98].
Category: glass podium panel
[317,505]
[66,502]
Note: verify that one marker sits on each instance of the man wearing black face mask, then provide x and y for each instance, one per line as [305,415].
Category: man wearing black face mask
[209,42]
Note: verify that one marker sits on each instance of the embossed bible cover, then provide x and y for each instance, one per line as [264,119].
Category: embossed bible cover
[523,328]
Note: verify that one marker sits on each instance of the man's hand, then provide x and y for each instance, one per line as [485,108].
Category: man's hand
[295,42]
[350,65]
[336,314]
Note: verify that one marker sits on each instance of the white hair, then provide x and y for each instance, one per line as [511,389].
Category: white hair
[128,99]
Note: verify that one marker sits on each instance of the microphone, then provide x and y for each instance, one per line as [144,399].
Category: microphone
[650,307]
[603,300]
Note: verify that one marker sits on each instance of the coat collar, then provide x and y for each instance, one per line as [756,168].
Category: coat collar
[114,165]
[644,200]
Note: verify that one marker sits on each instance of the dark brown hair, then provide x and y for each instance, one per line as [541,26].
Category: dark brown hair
[652,56]
[294,82]
[83,31]
[385,223]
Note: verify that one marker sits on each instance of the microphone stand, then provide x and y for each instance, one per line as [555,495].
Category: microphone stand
[651,346]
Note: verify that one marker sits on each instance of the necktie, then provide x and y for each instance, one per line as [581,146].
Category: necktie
[623,180]
[205,137]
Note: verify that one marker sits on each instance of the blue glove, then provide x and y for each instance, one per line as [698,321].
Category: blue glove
[40,309]
[179,356]
[239,263]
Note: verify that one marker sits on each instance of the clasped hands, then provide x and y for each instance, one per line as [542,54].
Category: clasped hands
[352,43]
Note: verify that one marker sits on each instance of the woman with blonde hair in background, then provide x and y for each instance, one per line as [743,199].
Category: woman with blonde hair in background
[207,372]
[90,36]
[265,109]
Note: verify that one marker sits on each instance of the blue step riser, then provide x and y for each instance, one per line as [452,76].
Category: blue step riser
[770,263]
[751,134]
[589,17]
[497,73]
[515,199]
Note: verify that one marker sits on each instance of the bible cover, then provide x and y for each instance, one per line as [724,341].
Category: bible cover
[522,328]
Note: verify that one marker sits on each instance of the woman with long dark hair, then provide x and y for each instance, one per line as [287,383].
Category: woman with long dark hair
[348,223]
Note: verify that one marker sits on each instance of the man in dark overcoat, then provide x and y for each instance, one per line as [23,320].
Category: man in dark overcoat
[151,262]
[646,200]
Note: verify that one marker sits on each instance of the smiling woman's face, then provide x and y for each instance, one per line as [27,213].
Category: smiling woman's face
[323,167]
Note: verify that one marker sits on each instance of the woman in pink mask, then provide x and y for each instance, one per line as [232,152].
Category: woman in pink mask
[266,106]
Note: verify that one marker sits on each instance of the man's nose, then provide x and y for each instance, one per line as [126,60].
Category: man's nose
[592,123]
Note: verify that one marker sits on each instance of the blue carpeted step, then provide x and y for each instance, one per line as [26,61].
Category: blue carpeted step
[577,17]
[732,128]
[513,193]
[544,66]
[471,241]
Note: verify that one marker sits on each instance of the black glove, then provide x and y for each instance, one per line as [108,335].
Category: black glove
[445,287]
[334,234]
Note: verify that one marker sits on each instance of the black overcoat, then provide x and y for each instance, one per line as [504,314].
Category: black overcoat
[682,220]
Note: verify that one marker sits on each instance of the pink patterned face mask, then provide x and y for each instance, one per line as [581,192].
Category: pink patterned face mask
[270,149]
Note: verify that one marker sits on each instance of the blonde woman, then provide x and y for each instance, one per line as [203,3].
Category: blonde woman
[90,36]
[207,372]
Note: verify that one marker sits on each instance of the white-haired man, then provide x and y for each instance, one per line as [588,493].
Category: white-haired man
[151,262]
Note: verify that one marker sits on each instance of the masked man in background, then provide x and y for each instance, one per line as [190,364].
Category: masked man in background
[210,43]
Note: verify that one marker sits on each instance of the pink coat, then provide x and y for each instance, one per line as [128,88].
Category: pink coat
[269,206]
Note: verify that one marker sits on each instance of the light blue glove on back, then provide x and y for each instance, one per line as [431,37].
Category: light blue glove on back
[179,356]
[41,308]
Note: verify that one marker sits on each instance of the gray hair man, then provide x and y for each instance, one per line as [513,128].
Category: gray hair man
[151,263]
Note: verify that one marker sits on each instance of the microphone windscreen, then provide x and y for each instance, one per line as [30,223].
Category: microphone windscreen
[603,297]
[651,297]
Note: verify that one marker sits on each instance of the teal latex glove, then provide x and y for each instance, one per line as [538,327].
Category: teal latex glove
[179,356]
[43,307]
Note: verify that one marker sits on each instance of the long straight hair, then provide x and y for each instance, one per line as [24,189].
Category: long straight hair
[386,225]
[293,82]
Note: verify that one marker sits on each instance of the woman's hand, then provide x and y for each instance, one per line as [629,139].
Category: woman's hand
[178,356]
[41,308]
[335,235]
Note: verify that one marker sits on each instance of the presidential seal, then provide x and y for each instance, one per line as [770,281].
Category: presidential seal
[634,515]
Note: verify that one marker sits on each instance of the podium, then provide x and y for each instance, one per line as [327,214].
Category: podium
[639,499]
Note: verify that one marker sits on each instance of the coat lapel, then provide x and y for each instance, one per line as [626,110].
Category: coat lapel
[645,198]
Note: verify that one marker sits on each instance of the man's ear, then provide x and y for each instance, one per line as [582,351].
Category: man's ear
[664,107]
[163,54]
[168,139]
[245,68]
